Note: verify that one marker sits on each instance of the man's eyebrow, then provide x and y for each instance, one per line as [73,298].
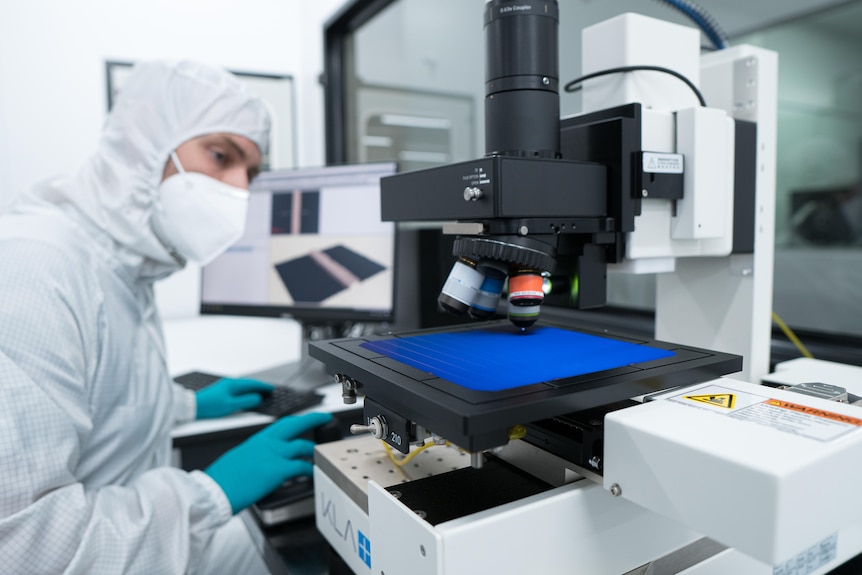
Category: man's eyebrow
[236,147]
[252,171]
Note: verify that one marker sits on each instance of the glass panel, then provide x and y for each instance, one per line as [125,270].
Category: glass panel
[419,129]
[818,260]
[417,96]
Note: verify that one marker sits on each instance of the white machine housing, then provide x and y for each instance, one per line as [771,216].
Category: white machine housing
[742,463]
[707,301]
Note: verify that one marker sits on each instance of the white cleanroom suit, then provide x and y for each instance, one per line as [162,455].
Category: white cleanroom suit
[86,402]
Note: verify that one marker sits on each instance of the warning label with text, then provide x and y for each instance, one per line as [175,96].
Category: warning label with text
[786,416]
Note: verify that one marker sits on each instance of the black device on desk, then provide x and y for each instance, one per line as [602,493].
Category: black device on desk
[282,401]
[294,499]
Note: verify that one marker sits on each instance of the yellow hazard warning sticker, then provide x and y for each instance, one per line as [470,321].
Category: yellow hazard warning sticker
[785,416]
[720,399]
[725,400]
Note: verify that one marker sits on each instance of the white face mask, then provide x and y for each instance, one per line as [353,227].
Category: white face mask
[198,217]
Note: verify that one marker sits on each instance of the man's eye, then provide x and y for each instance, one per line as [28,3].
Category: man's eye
[218,156]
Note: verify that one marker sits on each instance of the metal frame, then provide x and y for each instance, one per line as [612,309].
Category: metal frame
[336,63]
[476,421]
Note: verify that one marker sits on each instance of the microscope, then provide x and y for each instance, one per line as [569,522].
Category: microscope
[542,215]
[592,451]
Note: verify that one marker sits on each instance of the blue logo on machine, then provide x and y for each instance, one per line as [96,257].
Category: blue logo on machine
[361,544]
[364,548]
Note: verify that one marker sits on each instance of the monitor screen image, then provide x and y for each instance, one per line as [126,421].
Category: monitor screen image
[314,248]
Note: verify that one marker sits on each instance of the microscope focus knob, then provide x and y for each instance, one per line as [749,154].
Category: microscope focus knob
[376,427]
[471,194]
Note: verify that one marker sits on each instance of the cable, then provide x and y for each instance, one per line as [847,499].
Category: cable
[791,336]
[404,460]
[703,20]
[574,87]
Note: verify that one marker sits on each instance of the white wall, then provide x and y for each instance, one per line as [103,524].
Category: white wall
[52,76]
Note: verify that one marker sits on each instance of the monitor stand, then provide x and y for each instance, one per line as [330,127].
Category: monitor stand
[308,373]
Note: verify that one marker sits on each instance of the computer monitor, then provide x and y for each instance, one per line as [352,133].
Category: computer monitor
[827,216]
[314,249]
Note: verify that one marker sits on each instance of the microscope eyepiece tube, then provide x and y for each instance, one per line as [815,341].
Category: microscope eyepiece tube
[522,100]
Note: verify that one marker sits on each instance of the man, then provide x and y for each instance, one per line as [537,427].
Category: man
[86,402]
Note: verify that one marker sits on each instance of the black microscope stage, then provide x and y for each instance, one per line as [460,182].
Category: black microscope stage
[471,383]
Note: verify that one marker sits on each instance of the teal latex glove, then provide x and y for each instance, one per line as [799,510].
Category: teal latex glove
[255,467]
[228,395]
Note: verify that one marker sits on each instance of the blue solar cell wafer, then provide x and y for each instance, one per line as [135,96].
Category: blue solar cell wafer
[503,357]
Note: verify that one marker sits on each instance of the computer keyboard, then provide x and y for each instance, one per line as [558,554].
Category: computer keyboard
[282,401]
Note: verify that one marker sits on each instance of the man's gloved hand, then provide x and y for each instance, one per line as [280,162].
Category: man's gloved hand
[255,467]
[228,395]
